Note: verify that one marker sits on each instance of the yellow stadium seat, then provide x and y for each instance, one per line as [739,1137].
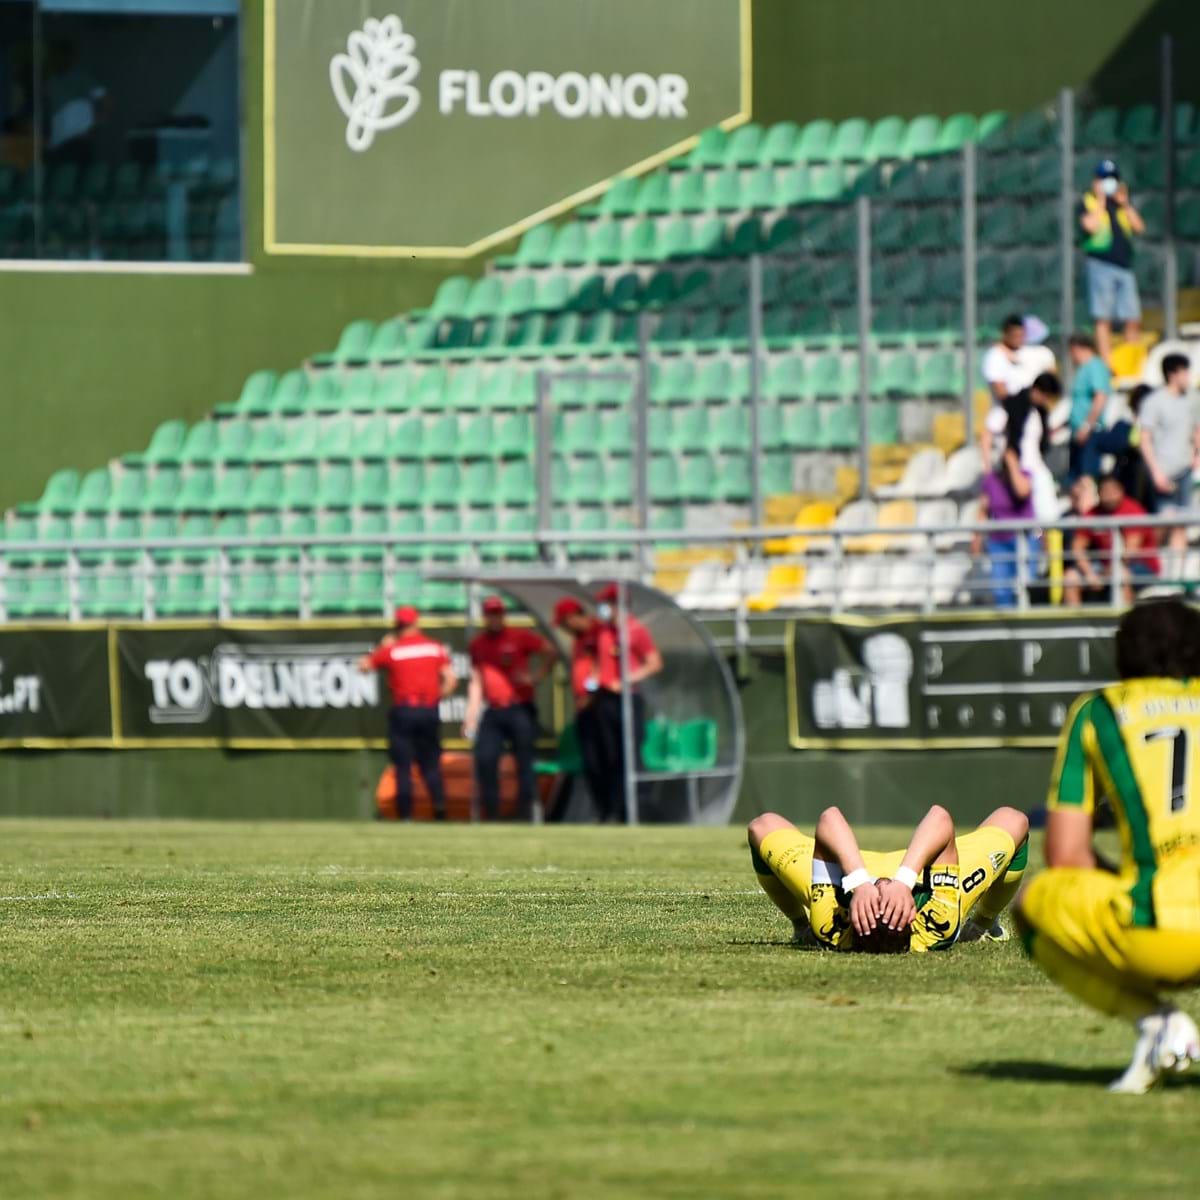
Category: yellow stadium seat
[1128,361]
[818,514]
[783,587]
[895,514]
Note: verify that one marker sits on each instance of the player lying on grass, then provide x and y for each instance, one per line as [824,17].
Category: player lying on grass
[918,899]
[1116,938]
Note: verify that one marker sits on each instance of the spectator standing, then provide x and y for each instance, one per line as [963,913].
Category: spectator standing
[419,676]
[1007,370]
[1170,445]
[1007,496]
[1110,223]
[614,638]
[501,677]
[1093,557]
[1131,467]
[1090,439]
[1026,427]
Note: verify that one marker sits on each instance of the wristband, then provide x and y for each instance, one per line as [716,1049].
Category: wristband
[856,879]
[906,876]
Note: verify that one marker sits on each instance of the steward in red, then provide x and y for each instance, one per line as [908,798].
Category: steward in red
[501,678]
[419,676]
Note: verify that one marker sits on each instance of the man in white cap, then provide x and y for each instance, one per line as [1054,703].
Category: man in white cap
[1110,223]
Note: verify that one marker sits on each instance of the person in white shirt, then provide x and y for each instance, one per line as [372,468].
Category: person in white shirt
[1023,422]
[1009,367]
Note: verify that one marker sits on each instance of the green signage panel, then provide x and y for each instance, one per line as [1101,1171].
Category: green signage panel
[923,683]
[442,127]
[54,687]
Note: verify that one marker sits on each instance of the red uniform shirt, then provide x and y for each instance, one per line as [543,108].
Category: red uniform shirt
[584,667]
[502,660]
[414,665]
[608,651]
[1138,545]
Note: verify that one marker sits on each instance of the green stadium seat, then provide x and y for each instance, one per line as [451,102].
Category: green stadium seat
[60,492]
[886,140]
[826,183]
[264,524]
[95,492]
[40,594]
[336,523]
[733,478]
[442,485]
[724,190]
[515,485]
[744,146]
[941,375]
[478,483]
[619,200]
[187,594]
[784,377]
[850,140]
[840,428]
[606,245]
[165,444]
[813,141]
[394,339]
[883,424]
[662,478]
[824,377]
[451,297]
[570,245]
[257,392]
[920,138]
[584,482]
[992,127]
[352,348]
[697,479]
[300,486]
[406,523]
[777,473]
[689,194]
[163,487]
[536,247]
[694,746]
[654,195]
[710,149]
[370,522]
[371,485]
[200,445]
[1000,225]
[778,145]
[900,377]
[1099,130]
[289,396]
[442,523]
[956,132]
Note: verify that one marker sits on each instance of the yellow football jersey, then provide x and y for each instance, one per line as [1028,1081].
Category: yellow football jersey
[1135,743]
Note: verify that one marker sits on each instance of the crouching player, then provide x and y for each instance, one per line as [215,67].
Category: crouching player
[918,899]
[1118,938]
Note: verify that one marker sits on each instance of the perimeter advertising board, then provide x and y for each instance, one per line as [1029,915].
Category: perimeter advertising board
[442,127]
[924,683]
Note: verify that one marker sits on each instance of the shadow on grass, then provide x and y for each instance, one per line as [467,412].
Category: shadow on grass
[1044,1072]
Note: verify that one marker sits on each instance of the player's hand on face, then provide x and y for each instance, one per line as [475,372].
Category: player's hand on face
[864,909]
[897,906]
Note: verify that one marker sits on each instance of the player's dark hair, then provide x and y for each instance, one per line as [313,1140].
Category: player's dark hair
[1136,397]
[1172,363]
[1048,384]
[1012,321]
[1084,341]
[1159,640]
[1109,477]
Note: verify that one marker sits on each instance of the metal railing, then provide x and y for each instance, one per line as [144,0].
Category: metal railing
[729,570]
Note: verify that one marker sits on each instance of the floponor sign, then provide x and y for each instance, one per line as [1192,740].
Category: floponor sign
[415,127]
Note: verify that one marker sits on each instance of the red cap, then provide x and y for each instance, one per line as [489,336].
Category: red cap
[607,594]
[493,606]
[568,606]
[406,615]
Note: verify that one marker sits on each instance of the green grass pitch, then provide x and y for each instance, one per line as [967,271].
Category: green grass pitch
[286,1010]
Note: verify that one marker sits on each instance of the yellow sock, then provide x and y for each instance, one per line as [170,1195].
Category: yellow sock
[999,896]
[784,900]
[1104,990]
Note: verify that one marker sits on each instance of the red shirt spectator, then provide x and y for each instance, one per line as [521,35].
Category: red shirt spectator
[584,667]
[1138,544]
[414,664]
[502,658]
[608,651]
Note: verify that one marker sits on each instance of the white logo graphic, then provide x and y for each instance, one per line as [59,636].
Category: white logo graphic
[380,67]
[24,694]
[855,699]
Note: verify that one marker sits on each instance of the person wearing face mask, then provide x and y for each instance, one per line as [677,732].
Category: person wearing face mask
[1110,222]
[644,660]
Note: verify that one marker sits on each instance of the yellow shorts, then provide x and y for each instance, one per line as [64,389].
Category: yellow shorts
[1088,913]
[945,894]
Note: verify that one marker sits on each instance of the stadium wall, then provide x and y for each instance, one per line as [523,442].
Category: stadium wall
[93,360]
[340,784]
